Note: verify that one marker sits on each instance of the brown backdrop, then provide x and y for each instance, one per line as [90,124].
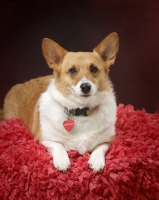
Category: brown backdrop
[79,25]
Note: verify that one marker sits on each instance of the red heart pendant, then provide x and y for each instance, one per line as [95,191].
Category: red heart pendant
[68,124]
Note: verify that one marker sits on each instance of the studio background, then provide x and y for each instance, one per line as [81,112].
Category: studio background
[79,25]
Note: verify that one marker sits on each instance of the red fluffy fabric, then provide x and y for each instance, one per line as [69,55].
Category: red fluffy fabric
[131,171]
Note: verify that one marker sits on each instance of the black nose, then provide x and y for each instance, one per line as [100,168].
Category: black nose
[85,87]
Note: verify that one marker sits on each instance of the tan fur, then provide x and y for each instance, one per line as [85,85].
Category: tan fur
[22,102]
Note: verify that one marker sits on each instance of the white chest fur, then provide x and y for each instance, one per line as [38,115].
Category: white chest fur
[88,131]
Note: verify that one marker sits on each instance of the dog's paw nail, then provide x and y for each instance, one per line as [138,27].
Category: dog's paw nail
[63,167]
[96,168]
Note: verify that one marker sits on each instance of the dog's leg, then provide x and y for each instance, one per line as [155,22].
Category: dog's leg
[97,159]
[60,157]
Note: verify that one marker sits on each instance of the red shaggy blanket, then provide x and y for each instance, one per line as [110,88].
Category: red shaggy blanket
[131,171]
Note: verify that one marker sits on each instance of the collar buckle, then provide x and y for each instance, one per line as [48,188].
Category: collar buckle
[80,111]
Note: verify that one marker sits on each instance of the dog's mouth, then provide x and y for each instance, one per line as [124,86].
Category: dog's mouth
[81,94]
[84,88]
[86,95]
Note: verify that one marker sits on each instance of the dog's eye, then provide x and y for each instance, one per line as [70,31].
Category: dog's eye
[72,71]
[93,69]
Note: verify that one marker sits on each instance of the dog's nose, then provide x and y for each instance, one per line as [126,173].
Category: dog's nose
[85,87]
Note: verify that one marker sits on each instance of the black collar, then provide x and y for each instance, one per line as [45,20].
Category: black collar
[80,111]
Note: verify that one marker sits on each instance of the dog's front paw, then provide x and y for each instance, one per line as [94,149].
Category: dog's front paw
[61,162]
[60,157]
[96,162]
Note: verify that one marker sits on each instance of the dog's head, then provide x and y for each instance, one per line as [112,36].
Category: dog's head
[82,74]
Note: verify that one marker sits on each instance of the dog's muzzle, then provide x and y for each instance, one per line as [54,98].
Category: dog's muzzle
[85,88]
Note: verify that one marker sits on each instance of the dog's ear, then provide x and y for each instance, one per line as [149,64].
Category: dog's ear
[108,48]
[53,53]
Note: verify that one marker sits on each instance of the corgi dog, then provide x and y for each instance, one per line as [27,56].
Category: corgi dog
[75,107]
